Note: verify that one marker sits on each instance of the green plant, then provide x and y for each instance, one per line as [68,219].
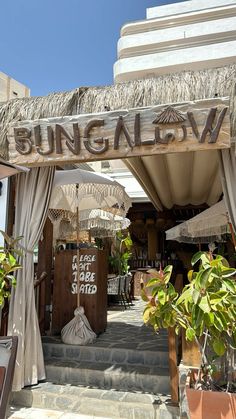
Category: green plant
[8,266]
[205,309]
[121,253]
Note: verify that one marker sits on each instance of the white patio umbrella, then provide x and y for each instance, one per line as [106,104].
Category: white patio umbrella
[97,222]
[87,190]
[77,190]
[7,169]
[102,223]
[207,226]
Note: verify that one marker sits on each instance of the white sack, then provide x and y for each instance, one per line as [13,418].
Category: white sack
[78,331]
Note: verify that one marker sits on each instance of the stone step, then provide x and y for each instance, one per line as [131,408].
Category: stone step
[156,357]
[109,376]
[96,402]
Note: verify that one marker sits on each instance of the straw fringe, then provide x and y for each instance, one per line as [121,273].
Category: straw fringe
[60,104]
[170,88]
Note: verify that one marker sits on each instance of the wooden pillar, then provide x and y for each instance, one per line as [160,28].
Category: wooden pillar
[45,256]
[152,240]
[231,253]
[11,206]
[9,230]
[174,377]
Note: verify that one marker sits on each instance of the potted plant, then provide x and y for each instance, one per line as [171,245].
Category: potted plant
[206,311]
[121,253]
[8,266]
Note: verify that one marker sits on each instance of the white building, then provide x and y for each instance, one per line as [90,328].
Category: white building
[9,89]
[190,35]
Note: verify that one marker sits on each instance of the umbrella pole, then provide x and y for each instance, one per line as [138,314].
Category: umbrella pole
[77,246]
[78,256]
[232,235]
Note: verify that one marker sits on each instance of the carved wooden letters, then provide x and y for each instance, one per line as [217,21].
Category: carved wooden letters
[119,134]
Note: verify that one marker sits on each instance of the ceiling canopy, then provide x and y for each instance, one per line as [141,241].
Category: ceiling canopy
[178,178]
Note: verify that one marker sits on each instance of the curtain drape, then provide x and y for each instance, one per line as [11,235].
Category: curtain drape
[227,159]
[32,201]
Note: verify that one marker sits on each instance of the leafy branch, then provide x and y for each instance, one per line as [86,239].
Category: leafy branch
[121,253]
[205,309]
[8,266]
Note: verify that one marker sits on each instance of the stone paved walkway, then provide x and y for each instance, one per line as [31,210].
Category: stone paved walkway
[32,413]
[126,330]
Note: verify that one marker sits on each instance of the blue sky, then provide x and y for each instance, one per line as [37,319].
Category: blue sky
[57,45]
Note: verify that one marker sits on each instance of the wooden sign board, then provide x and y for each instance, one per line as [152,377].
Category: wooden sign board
[93,288]
[162,129]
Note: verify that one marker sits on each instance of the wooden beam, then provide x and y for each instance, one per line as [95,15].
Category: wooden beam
[181,127]
[45,255]
[11,206]
[174,376]
[152,242]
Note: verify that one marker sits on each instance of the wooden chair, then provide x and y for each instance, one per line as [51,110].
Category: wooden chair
[116,288]
[127,288]
[8,349]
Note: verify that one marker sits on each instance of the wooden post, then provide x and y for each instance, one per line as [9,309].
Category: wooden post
[174,376]
[11,206]
[45,255]
[9,230]
[152,242]
[232,235]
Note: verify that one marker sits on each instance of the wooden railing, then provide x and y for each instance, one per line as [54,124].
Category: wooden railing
[4,319]
[39,300]
[8,347]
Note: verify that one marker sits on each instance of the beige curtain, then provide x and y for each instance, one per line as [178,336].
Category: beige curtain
[228,179]
[32,200]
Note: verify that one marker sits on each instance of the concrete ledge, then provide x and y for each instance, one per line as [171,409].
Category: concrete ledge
[178,20]
[195,58]
[185,7]
[196,34]
[184,411]
[82,400]
[99,375]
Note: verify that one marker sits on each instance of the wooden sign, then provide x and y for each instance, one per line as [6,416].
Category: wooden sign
[161,129]
[88,280]
[93,288]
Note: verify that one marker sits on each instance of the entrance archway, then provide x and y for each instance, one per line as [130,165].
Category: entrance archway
[108,135]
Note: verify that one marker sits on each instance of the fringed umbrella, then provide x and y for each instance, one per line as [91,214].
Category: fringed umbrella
[211,224]
[74,191]
[97,222]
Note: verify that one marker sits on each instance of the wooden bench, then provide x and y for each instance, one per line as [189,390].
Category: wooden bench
[8,349]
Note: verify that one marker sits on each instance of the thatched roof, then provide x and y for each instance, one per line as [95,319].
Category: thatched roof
[170,88]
